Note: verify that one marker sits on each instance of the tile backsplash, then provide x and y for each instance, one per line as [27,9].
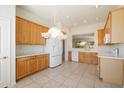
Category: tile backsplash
[28,49]
[107,50]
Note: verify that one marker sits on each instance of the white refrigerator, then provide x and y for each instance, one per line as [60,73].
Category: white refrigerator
[54,48]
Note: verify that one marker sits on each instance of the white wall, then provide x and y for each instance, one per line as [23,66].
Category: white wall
[30,16]
[83,30]
[8,11]
[106,50]
[28,49]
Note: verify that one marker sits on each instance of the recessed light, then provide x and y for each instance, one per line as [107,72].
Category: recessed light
[97,18]
[68,17]
[97,6]
[85,21]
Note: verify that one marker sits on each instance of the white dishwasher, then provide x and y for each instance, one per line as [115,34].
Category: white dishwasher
[75,56]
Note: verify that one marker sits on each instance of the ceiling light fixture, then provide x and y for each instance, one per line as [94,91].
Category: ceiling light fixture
[85,21]
[67,17]
[97,6]
[97,18]
[55,31]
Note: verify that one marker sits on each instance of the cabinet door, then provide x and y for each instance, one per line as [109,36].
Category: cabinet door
[118,26]
[40,39]
[40,62]
[94,58]
[33,33]
[101,37]
[18,31]
[81,57]
[25,32]
[33,65]
[22,68]
[87,57]
[111,70]
[22,31]
[45,61]
[69,56]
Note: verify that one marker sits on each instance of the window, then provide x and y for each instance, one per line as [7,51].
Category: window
[83,40]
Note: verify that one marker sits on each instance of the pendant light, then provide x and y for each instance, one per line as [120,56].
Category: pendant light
[55,31]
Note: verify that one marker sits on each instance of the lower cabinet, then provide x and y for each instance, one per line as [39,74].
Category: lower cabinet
[112,70]
[22,67]
[69,56]
[33,65]
[88,57]
[42,61]
[29,65]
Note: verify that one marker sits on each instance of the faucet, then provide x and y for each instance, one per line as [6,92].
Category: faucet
[116,51]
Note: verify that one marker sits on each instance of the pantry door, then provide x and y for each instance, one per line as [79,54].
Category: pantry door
[4,52]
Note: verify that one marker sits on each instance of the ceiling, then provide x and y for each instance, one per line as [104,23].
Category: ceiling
[70,15]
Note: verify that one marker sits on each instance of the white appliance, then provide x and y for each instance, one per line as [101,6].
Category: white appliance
[107,38]
[75,56]
[54,48]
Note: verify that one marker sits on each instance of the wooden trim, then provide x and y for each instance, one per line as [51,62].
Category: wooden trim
[107,20]
[110,27]
[32,22]
[117,9]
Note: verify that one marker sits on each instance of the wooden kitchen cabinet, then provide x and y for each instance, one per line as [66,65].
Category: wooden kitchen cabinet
[28,32]
[46,60]
[29,65]
[88,57]
[101,34]
[33,65]
[22,67]
[114,27]
[112,70]
[42,61]
[117,26]
[81,56]
[69,56]
[18,31]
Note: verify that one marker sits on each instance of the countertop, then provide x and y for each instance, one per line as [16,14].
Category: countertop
[27,55]
[111,57]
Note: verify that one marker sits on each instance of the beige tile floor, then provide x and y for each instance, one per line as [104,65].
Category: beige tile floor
[67,75]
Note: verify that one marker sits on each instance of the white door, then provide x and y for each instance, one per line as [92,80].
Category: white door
[4,52]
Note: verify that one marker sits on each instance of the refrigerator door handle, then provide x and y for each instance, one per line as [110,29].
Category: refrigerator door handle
[53,48]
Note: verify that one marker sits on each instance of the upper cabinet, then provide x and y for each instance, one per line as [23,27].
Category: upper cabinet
[100,36]
[118,26]
[28,32]
[114,28]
